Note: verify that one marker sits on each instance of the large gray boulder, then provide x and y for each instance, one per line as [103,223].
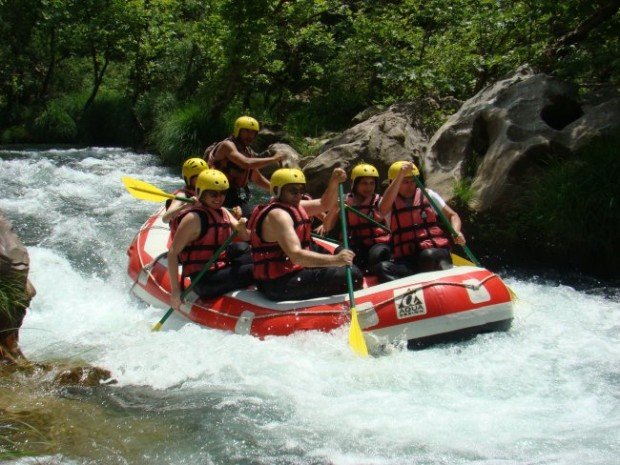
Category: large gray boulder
[380,140]
[505,132]
[291,158]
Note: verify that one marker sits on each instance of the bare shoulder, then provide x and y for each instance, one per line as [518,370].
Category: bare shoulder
[279,215]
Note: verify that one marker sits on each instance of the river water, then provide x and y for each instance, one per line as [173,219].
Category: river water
[546,392]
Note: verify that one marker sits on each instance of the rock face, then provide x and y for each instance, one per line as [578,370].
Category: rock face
[510,128]
[16,290]
[291,160]
[380,140]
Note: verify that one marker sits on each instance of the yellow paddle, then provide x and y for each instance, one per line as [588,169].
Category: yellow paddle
[356,337]
[145,191]
[457,260]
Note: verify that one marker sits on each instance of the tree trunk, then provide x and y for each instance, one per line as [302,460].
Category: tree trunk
[98,79]
[51,67]
[561,46]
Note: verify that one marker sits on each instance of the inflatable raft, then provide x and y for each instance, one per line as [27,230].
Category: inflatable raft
[421,309]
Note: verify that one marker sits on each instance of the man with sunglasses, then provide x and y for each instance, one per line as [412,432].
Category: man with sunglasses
[236,159]
[285,268]
[197,232]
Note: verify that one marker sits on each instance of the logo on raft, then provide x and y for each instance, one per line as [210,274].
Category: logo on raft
[409,303]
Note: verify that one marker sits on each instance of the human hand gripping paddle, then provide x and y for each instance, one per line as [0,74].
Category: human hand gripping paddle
[446,222]
[356,337]
[157,326]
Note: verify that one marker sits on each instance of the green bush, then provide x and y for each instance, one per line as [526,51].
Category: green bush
[574,207]
[15,134]
[180,134]
[12,303]
[54,125]
[108,121]
[567,216]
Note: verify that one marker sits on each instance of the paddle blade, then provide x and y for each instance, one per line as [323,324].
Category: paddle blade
[513,296]
[157,326]
[145,191]
[356,336]
[457,260]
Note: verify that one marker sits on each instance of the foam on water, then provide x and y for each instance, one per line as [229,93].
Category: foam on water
[546,392]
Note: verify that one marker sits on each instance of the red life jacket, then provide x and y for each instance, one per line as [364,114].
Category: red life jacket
[237,176]
[215,227]
[361,231]
[414,226]
[269,259]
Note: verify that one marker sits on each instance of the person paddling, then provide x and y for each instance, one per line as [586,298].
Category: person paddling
[236,159]
[285,267]
[418,241]
[197,232]
[369,241]
[192,167]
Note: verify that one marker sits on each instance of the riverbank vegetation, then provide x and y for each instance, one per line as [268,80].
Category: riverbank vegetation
[170,75]
[566,214]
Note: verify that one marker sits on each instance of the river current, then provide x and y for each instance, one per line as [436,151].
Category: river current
[546,392]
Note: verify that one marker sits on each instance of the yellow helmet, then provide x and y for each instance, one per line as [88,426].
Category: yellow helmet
[364,170]
[193,167]
[285,176]
[211,180]
[245,122]
[395,168]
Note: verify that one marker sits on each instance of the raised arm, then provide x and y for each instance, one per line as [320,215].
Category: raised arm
[260,180]
[330,220]
[329,199]
[385,205]
[239,225]
[228,150]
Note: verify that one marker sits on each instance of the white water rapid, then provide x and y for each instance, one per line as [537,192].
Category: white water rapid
[546,392]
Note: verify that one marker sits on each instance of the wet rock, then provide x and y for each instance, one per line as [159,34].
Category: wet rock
[291,160]
[508,132]
[380,140]
[84,376]
[16,291]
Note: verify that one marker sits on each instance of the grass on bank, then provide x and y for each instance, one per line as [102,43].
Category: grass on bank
[12,301]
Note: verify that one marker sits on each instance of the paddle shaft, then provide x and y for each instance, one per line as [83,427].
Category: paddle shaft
[345,242]
[195,281]
[445,220]
[164,194]
[368,218]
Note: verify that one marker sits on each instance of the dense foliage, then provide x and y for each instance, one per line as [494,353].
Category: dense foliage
[566,214]
[172,74]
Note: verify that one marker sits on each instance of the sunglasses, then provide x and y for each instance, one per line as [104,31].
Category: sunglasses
[215,194]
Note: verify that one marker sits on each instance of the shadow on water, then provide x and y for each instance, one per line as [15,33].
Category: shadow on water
[590,285]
